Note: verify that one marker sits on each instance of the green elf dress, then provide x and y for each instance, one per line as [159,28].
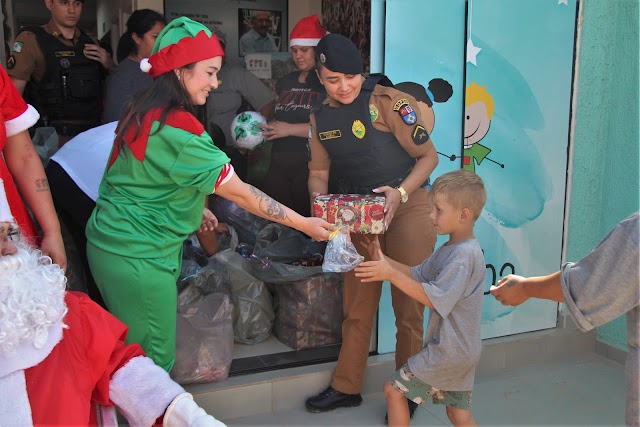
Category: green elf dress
[151,198]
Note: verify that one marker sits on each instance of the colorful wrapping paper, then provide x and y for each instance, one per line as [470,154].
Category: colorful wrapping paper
[362,213]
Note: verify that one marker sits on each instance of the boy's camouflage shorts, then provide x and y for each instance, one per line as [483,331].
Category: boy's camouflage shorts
[412,388]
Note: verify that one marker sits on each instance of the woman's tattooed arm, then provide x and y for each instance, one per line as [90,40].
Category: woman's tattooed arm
[268,206]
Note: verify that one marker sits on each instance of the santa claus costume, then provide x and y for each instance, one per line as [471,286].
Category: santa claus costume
[61,354]
[17,116]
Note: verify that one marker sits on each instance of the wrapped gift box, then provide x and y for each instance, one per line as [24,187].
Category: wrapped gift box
[309,311]
[362,213]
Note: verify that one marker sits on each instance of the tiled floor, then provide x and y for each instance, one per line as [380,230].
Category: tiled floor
[585,391]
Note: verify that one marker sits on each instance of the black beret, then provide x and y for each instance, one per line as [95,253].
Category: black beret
[339,54]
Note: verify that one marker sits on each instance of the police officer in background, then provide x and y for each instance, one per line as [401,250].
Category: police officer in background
[60,69]
[368,138]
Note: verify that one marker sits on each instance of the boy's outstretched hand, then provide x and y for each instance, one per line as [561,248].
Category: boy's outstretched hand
[377,270]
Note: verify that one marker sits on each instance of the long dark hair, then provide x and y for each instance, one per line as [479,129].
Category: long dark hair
[167,93]
[139,23]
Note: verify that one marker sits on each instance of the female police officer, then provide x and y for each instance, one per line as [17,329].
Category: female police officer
[370,138]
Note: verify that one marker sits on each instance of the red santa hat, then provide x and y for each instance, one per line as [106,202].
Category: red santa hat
[182,42]
[307,32]
[5,212]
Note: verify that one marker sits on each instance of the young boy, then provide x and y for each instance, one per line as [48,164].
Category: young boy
[451,284]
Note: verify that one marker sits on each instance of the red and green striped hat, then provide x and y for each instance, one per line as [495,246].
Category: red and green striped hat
[182,42]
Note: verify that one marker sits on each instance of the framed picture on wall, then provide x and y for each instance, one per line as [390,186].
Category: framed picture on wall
[259,31]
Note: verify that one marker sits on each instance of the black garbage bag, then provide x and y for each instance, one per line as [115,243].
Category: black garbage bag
[284,255]
[204,333]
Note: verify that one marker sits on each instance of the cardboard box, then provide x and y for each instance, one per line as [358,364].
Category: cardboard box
[362,213]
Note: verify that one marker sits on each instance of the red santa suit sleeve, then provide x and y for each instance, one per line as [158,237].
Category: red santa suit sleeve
[17,116]
[63,388]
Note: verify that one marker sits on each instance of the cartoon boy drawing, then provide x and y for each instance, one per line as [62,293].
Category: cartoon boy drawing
[478,113]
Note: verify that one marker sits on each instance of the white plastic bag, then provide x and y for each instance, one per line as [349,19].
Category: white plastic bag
[341,254]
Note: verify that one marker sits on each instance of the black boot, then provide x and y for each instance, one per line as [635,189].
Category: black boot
[412,410]
[331,399]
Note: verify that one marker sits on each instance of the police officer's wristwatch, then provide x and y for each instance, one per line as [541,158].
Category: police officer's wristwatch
[404,196]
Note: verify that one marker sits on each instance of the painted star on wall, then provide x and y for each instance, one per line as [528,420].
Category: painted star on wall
[472,52]
[565,2]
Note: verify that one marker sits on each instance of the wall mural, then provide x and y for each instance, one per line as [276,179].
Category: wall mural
[510,65]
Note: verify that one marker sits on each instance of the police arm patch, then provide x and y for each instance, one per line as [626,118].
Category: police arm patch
[420,135]
[406,112]
[373,112]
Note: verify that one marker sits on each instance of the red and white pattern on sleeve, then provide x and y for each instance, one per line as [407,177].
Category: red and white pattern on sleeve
[225,175]
[17,115]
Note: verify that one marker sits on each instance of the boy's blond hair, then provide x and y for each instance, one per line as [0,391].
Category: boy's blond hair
[463,189]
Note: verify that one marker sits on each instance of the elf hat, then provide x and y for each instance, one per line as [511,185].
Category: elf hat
[5,212]
[182,42]
[307,32]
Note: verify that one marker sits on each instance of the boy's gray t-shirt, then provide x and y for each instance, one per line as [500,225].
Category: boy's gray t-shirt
[453,278]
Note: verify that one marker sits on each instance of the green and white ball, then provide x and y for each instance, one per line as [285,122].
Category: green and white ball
[246,130]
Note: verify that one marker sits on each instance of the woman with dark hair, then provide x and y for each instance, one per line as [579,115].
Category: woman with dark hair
[152,195]
[143,27]
[297,94]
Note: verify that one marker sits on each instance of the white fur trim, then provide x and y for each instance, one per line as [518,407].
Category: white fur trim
[27,355]
[142,391]
[185,412]
[145,65]
[15,409]
[23,122]
[304,42]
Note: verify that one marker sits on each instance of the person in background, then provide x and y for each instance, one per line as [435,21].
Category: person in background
[60,70]
[238,89]
[258,39]
[582,287]
[297,94]
[143,27]
[367,138]
[450,282]
[161,169]
[24,179]
[58,362]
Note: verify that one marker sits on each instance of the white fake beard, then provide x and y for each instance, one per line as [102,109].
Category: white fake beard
[32,293]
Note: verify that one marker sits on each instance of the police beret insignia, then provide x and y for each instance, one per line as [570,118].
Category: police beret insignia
[420,135]
[323,58]
[11,62]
